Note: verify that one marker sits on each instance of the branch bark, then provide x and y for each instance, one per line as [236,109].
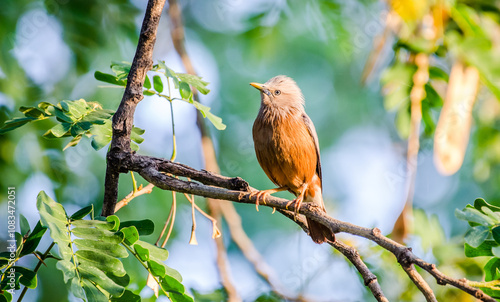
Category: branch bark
[124,116]
[148,168]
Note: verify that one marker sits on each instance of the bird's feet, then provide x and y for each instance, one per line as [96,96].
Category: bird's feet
[259,195]
[298,202]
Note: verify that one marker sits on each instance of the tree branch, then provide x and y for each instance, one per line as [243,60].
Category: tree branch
[148,168]
[124,116]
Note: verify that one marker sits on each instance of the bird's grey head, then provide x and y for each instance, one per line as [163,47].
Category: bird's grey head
[281,92]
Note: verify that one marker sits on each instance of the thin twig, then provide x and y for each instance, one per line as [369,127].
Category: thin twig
[37,267]
[419,281]
[140,191]
[171,219]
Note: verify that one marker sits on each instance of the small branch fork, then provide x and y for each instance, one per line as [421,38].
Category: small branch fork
[158,172]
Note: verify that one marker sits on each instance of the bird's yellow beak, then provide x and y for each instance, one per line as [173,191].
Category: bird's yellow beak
[258,86]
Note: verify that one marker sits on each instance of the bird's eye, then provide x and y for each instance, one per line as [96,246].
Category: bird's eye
[277,92]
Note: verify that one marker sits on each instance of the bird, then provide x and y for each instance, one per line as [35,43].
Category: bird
[287,148]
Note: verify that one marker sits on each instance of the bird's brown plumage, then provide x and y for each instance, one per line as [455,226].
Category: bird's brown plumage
[286,145]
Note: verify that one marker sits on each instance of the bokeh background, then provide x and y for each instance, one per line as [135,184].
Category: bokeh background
[51,49]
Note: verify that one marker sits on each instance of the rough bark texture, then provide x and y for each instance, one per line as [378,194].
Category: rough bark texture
[124,116]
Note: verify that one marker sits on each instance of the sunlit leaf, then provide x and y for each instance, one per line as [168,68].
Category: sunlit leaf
[109,78]
[194,81]
[157,83]
[24,225]
[82,213]
[475,236]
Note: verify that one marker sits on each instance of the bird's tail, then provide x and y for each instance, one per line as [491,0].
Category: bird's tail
[318,232]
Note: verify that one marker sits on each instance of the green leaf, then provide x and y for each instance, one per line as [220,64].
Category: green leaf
[169,73]
[77,108]
[73,142]
[93,293]
[5,296]
[479,203]
[104,225]
[53,216]
[496,233]
[98,277]
[475,236]
[144,227]
[109,78]
[147,82]
[219,295]
[429,124]
[24,225]
[205,111]
[111,249]
[68,269]
[432,97]
[148,92]
[136,133]
[175,288]
[397,83]
[185,91]
[101,261]
[101,135]
[127,296]
[216,121]
[436,73]
[194,81]
[33,240]
[491,270]
[35,112]
[96,116]
[82,213]
[155,252]
[28,277]
[121,69]
[16,123]
[156,268]
[485,249]
[158,84]
[180,297]
[496,251]
[130,234]
[76,288]
[473,215]
[142,252]
[98,234]
[114,221]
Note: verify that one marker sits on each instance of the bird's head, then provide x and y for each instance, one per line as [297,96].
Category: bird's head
[280,91]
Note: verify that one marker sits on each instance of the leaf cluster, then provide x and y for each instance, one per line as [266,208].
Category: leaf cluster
[74,119]
[157,83]
[483,239]
[89,253]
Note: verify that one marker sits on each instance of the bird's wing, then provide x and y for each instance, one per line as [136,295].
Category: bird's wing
[310,127]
